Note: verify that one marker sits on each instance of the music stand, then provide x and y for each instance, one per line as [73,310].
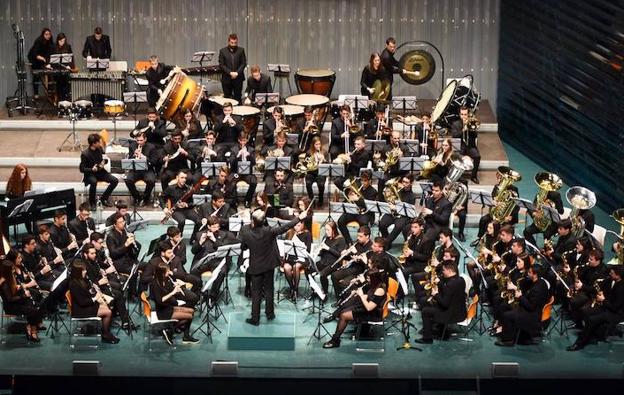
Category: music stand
[265,100]
[413,146]
[403,104]
[411,163]
[406,210]
[211,169]
[136,225]
[357,102]
[228,251]
[61,59]
[243,167]
[277,163]
[275,222]
[136,98]
[375,206]
[235,224]
[75,140]
[201,57]
[280,72]
[375,174]
[330,170]
[134,165]
[199,199]
[298,251]
[525,204]
[551,214]
[97,65]
[484,198]
[375,145]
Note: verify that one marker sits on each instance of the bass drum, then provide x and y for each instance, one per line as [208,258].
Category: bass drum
[315,81]
[181,94]
[446,110]
[466,95]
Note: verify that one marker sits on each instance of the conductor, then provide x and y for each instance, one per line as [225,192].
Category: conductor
[264,257]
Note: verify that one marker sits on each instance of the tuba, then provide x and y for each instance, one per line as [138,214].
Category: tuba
[580,198]
[547,182]
[455,191]
[503,202]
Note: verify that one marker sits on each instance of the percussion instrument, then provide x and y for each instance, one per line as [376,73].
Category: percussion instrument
[446,111]
[318,102]
[420,61]
[220,100]
[114,107]
[182,93]
[315,81]
[466,95]
[108,83]
[291,114]
[382,90]
[251,119]
[83,108]
[65,108]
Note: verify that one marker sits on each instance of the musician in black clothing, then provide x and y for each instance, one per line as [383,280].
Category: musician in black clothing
[92,168]
[97,46]
[551,229]
[380,127]
[180,211]
[154,128]
[243,152]
[63,87]
[460,129]
[258,83]
[437,211]
[401,223]
[610,304]
[366,192]
[487,218]
[566,242]
[233,61]
[341,133]
[308,128]
[217,208]
[176,159]
[33,262]
[526,316]
[122,246]
[106,263]
[423,132]
[226,128]
[155,74]
[82,225]
[121,208]
[24,277]
[391,65]
[586,284]
[280,149]
[264,257]
[46,249]
[397,150]
[39,56]
[61,237]
[317,155]
[292,266]
[504,299]
[280,189]
[346,270]
[328,251]
[189,126]
[419,249]
[447,304]
[272,126]
[358,159]
[139,148]
[225,183]
[374,71]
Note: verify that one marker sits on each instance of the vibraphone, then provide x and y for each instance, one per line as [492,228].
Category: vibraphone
[107,83]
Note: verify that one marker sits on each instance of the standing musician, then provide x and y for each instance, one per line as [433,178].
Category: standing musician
[610,305]
[154,128]
[244,152]
[374,71]
[397,150]
[168,295]
[264,257]
[273,126]
[92,167]
[61,236]
[189,126]
[292,268]
[121,208]
[62,81]
[381,126]
[391,65]
[360,191]
[232,61]
[526,315]
[140,148]
[82,225]
[401,223]
[97,46]
[345,270]
[447,304]
[179,210]
[19,182]
[176,159]
[549,232]
[357,159]
[39,56]
[586,285]
[343,132]
[361,306]
[155,74]
[317,156]
[226,127]
[460,129]
[437,211]
[217,208]
[258,83]
[487,218]
[328,251]
[225,183]
[280,190]
[122,246]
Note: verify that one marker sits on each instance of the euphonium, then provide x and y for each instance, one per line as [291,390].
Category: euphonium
[429,166]
[392,158]
[391,191]
[580,199]
[455,191]
[547,182]
[352,192]
[503,202]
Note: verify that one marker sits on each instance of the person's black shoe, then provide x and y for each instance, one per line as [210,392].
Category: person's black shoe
[461,237]
[422,340]
[110,339]
[253,322]
[189,340]
[474,243]
[43,328]
[328,319]
[502,343]
[106,203]
[270,317]
[575,347]
[333,343]
[168,336]
[474,179]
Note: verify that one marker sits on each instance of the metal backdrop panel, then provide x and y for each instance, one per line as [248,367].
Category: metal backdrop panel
[335,34]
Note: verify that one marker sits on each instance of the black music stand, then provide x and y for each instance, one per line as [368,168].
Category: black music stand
[411,163]
[265,100]
[23,207]
[136,98]
[483,198]
[357,102]
[280,72]
[97,65]
[228,251]
[211,169]
[277,163]
[296,250]
[406,210]
[56,322]
[235,224]
[331,171]
[403,104]
[320,331]
[201,57]
[375,145]
[377,207]
[413,146]
[134,165]
[206,326]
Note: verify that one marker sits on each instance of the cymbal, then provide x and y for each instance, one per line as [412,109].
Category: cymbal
[382,90]
[420,66]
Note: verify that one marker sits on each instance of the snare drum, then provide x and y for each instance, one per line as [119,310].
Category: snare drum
[315,81]
[64,108]
[114,107]
[251,119]
[182,93]
[83,108]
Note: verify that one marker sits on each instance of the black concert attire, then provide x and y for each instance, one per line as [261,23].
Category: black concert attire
[422,249]
[369,77]
[154,134]
[269,175]
[190,297]
[110,220]
[264,257]
[228,189]
[588,218]
[154,76]
[63,87]
[282,193]
[369,193]
[394,170]
[150,153]
[337,143]
[46,250]
[83,305]
[469,139]
[373,126]
[341,276]
[232,59]
[328,256]
[119,302]
[590,276]
[172,195]
[44,48]
[300,125]
[401,223]
[423,133]
[88,159]
[193,128]
[123,257]
[178,162]
[446,307]
[313,177]
[59,235]
[258,86]
[440,217]
[268,132]
[487,218]
[529,231]
[227,136]
[359,160]
[22,277]
[164,308]
[207,210]
[97,48]
[248,155]
[32,263]
[501,305]
[526,317]
[392,67]
[18,303]
[360,313]
[81,229]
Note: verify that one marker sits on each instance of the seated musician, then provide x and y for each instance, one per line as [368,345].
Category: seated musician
[349,268]
[609,304]
[25,278]
[441,161]
[92,168]
[244,152]
[437,211]
[226,127]
[207,151]
[585,286]
[139,148]
[155,74]
[357,159]
[318,156]
[484,244]
[308,129]
[154,128]
[39,56]
[425,135]
[459,129]
[272,126]
[82,225]
[580,255]
[527,313]
[176,208]
[500,260]
[46,249]
[19,182]
[551,229]
[36,264]
[359,192]
[566,242]
[280,149]
[380,127]
[280,191]
[300,205]
[393,152]
[189,126]
[217,208]
[121,208]
[176,159]
[61,236]
[328,251]
[343,132]
[373,72]
[292,266]
[446,304]
[418,250]
[97,46]
[165,255]
[364,303]
[401,223]
[87,303]
[206,243]
[258,83]
[62,81]
[168,295]
[97,276]
[225,183]
[106,263]
[122,246]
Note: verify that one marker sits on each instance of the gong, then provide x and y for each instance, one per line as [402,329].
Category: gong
[420,66]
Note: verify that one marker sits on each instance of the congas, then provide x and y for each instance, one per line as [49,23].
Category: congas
[114,107]
[182,93]
[315,81]
[446,110]
[65,108]
[251,119]
[291,113]
[84,108]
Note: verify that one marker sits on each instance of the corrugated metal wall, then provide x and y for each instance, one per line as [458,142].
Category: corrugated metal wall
[336,34]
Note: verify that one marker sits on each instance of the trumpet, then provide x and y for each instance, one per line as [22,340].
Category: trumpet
[150,125]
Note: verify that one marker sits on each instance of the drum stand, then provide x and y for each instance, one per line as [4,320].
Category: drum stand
[75,140]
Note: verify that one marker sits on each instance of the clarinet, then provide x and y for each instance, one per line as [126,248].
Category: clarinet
[348,298]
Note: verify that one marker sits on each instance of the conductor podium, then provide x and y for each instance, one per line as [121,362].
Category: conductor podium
[276,335]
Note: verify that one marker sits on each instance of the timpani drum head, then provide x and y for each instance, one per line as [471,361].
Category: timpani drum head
[289,110]
[220,100]
[307,100]
[315,73]
[245,111]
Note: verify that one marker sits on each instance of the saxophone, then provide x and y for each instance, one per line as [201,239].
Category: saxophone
[503,202]
[402,258]
[547,182]
[455,191]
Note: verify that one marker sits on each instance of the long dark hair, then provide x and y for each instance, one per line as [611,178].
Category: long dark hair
[59,37]
[334,229]
[43,32]
[6,273]
[75,274]
[370,63]
[161,273]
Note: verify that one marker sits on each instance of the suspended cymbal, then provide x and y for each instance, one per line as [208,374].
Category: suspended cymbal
[382,90]
[420,66]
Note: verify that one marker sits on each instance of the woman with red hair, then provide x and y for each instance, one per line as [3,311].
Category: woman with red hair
[19,182]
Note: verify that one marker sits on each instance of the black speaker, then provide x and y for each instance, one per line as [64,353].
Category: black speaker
[365,370]
[86,368]
[225,368]
[505,370]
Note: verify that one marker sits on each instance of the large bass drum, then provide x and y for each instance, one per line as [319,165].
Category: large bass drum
[315,81]
[181,94]
[466,95]
[446,110]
